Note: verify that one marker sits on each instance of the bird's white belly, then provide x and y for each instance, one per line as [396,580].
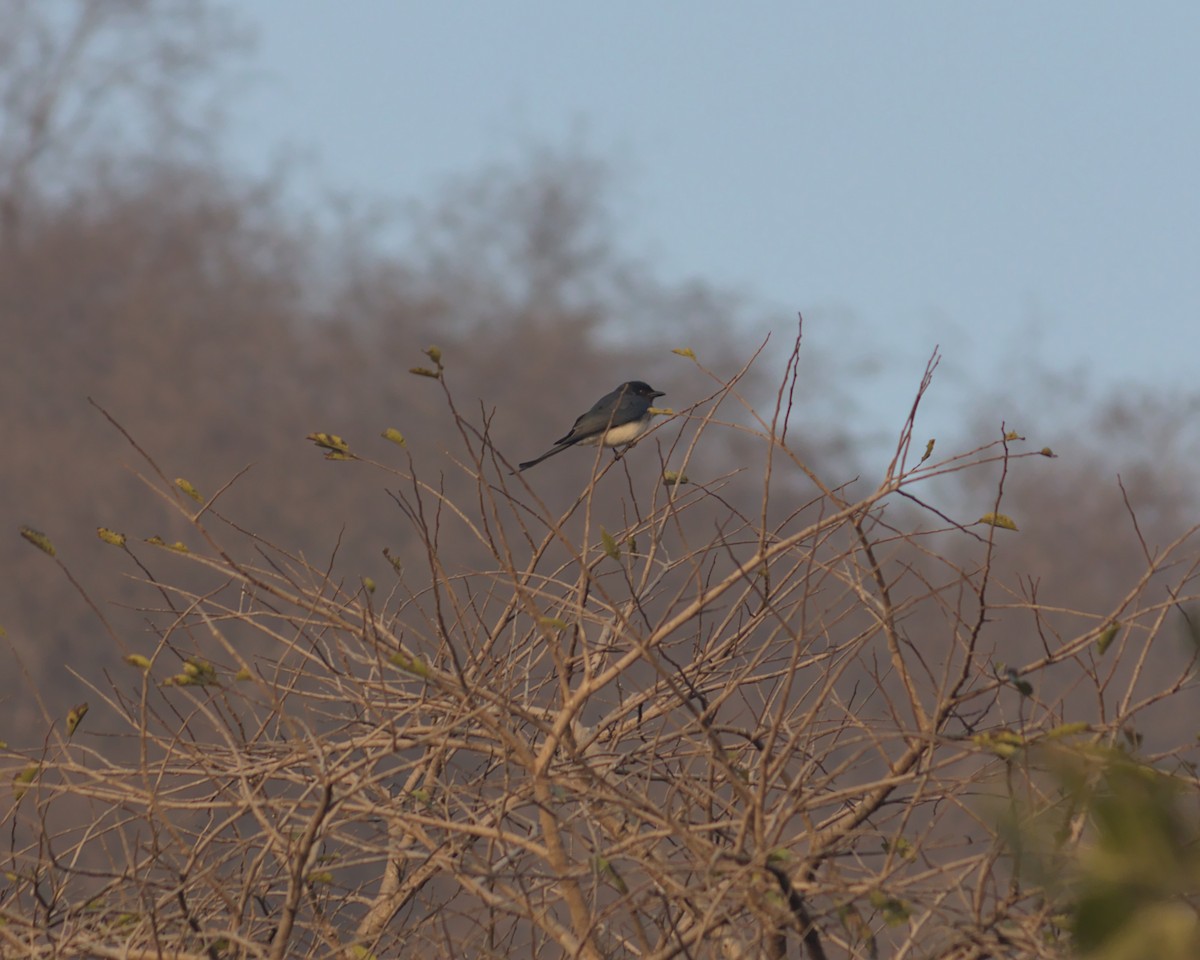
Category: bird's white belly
[619,436]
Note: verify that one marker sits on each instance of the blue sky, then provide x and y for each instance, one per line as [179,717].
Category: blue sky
[1013,181]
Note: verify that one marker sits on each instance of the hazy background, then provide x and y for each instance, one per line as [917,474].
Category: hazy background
[232,225]
[1016,182]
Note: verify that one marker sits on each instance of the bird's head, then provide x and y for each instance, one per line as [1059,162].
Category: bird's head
[639,388]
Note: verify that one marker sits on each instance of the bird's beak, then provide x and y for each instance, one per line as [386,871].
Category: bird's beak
[656,393]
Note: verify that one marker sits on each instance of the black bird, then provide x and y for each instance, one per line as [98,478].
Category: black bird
[617,419]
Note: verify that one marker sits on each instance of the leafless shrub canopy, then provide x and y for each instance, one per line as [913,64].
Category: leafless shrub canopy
[651,724]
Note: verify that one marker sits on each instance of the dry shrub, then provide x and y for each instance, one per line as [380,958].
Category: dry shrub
[652,724]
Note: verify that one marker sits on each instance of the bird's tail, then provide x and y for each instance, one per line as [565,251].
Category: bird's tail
[549,453]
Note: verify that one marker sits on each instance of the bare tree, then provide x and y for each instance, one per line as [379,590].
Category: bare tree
[90,79]
[659,726]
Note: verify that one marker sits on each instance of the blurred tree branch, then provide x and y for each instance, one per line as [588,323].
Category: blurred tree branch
[90,80]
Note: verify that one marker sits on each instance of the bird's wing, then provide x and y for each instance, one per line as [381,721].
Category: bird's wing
[595,420]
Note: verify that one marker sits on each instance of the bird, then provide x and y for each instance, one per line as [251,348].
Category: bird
[616,420]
